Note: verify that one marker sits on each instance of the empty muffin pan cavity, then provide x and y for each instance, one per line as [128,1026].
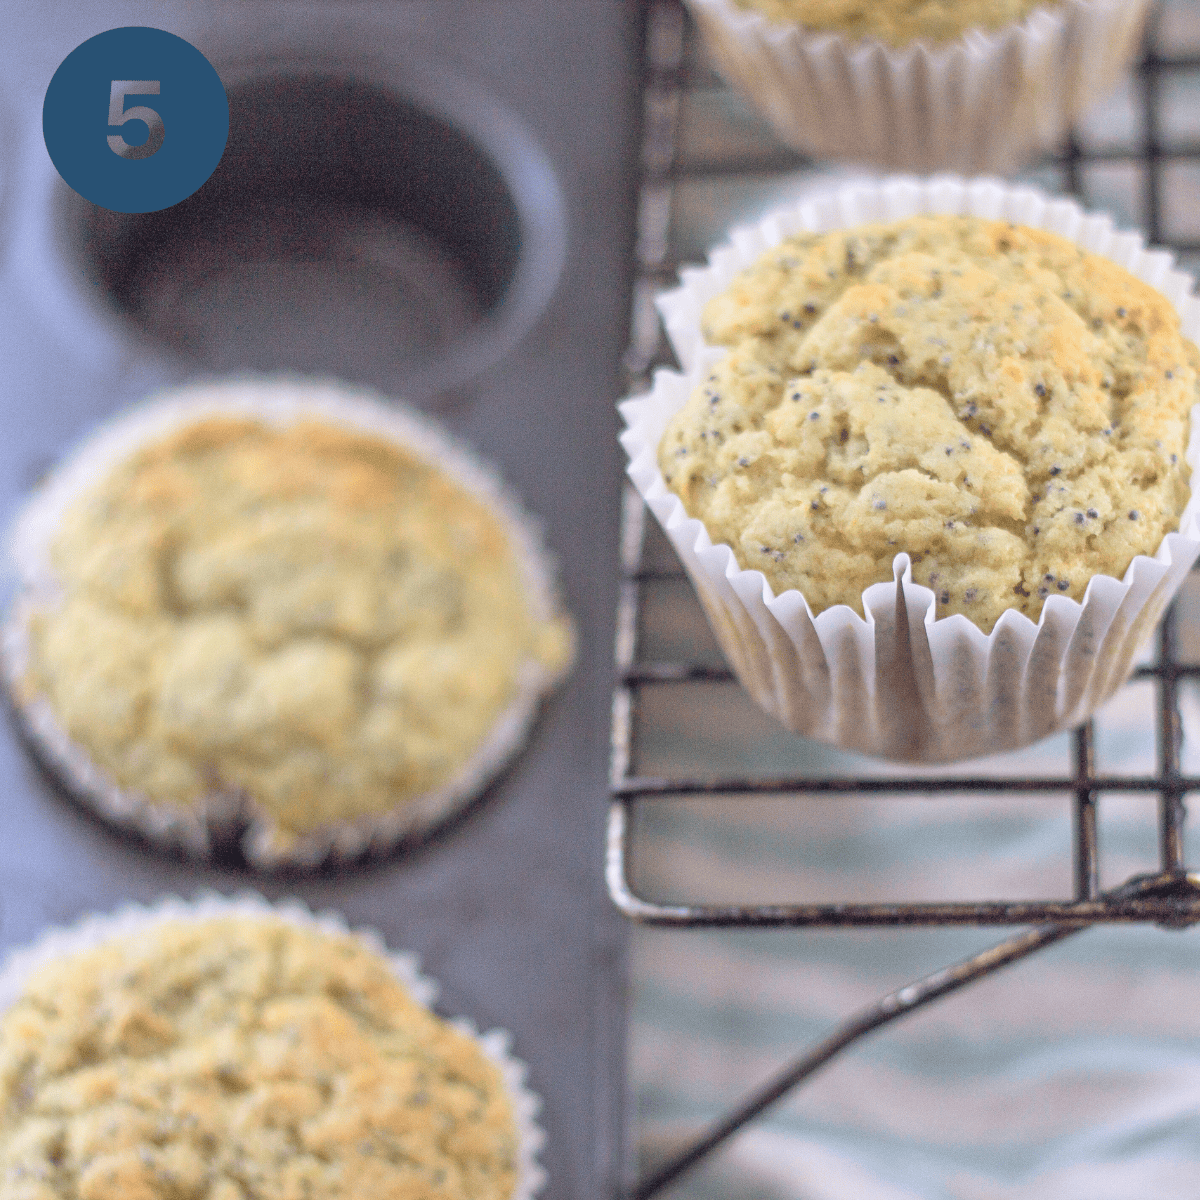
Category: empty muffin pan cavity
[403,232]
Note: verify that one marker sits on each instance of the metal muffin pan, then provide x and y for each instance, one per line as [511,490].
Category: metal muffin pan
[531,108]
[381,221]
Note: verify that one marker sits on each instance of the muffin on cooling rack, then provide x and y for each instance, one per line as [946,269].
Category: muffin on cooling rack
[279,611]
[975,393]
[1007,408]
[898,22]
[224,1049]
[921,85]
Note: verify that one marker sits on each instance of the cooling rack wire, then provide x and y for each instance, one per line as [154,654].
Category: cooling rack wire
[1151,168]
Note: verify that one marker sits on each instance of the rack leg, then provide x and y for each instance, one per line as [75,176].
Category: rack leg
[890,1008]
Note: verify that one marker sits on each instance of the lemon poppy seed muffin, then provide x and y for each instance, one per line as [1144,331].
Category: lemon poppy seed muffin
[239,1057]
[1005,407]
[301,615]
[898,22]
[922,86]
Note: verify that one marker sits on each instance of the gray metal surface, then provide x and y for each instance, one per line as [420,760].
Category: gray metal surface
[508,910]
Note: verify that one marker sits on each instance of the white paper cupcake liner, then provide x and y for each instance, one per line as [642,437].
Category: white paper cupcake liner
[981,103]
[133,919]
[207,828]
[900,684]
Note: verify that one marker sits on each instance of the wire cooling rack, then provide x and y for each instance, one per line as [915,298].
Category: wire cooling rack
[1169,896]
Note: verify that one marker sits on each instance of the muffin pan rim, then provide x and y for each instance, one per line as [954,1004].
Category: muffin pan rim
[48,258]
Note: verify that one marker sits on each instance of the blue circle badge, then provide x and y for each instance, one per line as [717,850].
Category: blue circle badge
[135,119]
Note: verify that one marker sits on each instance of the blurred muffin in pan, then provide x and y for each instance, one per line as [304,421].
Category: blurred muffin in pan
[227,1048]
[279,611]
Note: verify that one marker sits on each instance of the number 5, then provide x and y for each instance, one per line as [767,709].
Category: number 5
[118,114]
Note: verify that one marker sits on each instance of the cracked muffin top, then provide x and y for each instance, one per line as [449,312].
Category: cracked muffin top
[898,22]
[242,1057]
[1006,408]
[308,615]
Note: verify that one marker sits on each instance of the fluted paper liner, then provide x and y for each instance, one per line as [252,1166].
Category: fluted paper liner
[900,684]
[205,828]
[133,919]
[983,102]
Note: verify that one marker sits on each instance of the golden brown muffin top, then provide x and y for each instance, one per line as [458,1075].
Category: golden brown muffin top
[242,1058]
[898,22]
[309,615]
[1008,409]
